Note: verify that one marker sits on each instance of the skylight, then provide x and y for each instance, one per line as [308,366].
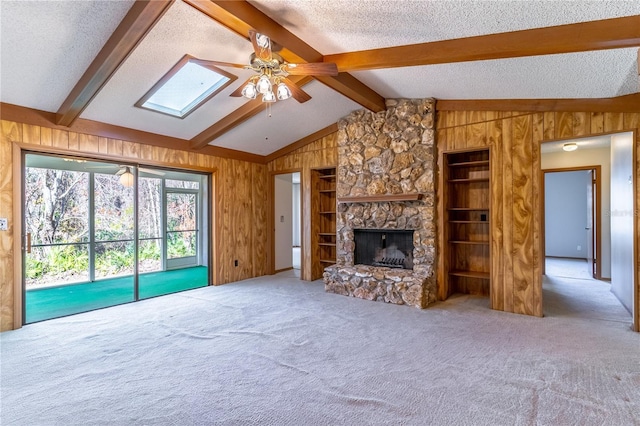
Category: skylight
[190,83]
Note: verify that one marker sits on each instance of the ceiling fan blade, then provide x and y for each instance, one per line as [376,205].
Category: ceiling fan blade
[238,92]
[261,45]
[316,68]
[296,92]
[205,62]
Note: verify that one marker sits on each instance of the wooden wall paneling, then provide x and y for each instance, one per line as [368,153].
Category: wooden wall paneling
[522,208]
[103,145]
[494,135]
[11,132]
[581,123]
[549,119]
[88,143]
[114,147]
[460,134]
[442,279]
[242,219]
[31,134]
[507,219]
[61,139]
[307,240]
[631,121]
[597,123]
[476,117]
[260,181]
[145,152]
[538,238]
[131,149]
[563,125]
[46,136]
[451,139]
[476,135]
[613,121]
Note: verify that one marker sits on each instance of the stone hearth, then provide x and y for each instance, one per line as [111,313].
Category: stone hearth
[386,154]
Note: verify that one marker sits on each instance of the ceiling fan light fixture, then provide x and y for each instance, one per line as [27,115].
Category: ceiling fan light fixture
[283,92]
[268,97]
[250,91]
[264,84]
[570,146]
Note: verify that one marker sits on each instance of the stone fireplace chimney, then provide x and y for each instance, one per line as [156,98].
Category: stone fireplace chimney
[385,181]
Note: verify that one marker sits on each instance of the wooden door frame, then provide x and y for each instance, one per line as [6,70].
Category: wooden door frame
[598,216]
[271,235]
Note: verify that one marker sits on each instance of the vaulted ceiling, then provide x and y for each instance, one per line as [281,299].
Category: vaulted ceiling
[79,62]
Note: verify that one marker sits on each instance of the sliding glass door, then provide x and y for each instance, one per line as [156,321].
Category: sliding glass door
[91,243]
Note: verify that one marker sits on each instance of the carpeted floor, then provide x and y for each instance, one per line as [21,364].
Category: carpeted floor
[53,302]
[568,268]
[280,351]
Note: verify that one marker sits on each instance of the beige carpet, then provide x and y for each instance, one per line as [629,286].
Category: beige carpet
[279,351]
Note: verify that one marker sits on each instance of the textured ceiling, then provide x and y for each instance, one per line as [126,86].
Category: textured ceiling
[336,26]
[46,46]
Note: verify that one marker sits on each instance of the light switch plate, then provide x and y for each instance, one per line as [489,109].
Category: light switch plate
[3,224]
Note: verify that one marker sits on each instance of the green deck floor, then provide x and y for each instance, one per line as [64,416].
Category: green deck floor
[53,302]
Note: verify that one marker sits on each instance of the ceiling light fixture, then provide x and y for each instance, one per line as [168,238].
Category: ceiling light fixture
[570,146]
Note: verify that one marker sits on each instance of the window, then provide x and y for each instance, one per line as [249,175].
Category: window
[189,84]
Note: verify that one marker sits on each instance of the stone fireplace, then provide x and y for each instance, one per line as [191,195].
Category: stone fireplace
[385,187]
[382,247]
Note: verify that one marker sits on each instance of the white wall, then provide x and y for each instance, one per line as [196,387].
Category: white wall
[622,211]
[591,157]
[296,213]
[283,221]
[565,204]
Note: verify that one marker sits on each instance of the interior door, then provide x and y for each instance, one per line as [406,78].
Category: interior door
[591,224]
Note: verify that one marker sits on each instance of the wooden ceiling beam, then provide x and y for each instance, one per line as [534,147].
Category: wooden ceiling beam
[581,37]
[142,16]
[237,117]
[626,103]
[241,16]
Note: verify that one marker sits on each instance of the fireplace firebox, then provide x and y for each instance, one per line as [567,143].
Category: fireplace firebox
[384,247]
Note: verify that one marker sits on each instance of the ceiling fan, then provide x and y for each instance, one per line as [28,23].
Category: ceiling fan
[272,72]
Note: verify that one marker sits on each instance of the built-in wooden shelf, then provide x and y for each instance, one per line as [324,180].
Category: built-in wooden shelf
[323,220]
[468,242]
[470,274]
[470,163]
[380,198]
[468,180]
[466,229]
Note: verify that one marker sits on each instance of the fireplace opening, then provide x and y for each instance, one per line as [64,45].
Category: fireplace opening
[388,248]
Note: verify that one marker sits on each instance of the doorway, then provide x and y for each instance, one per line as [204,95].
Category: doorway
[578,275]
[572,222]
[99,234]
[287,224]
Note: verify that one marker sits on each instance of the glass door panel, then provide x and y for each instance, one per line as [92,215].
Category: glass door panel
[182,229]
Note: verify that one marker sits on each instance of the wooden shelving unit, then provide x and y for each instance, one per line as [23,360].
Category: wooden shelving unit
[323,220]
[467,222]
